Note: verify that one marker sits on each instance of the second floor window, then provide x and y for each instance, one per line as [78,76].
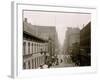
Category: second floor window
[28,48]
[24,48]
[32,47]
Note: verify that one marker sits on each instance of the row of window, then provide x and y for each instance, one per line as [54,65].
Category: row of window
[33,63]
[30,47]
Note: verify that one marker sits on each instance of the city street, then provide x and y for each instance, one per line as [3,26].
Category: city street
[64,63]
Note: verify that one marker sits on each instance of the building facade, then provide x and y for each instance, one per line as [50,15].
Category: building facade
[85,38]
[39,42]
[72,36]
[85,45]
[34,51]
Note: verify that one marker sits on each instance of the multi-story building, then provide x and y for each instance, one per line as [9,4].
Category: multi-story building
[48,33]
[38,42]
[72,36]
[85,44]
[34,51]
[85,38]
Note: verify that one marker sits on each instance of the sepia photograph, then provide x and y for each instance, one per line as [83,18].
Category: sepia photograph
[54,39]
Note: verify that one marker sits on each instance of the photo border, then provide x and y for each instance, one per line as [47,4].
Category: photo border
[17,31]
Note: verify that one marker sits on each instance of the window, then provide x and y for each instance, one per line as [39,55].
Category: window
[32,64]
[28,48]
[32,47]
[29,66]
[35,62]
[24,46]
[35,47]
[24,65]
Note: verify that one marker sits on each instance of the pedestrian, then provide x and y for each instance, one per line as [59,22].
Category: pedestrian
[50,64]
[61,61]
[40,67]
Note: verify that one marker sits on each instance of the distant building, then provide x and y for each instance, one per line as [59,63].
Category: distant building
[72,36]
[38,41]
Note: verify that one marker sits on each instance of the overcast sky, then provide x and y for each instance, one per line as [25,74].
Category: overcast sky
[60,20]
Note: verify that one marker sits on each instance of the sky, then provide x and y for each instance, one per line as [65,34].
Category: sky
[60,20]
